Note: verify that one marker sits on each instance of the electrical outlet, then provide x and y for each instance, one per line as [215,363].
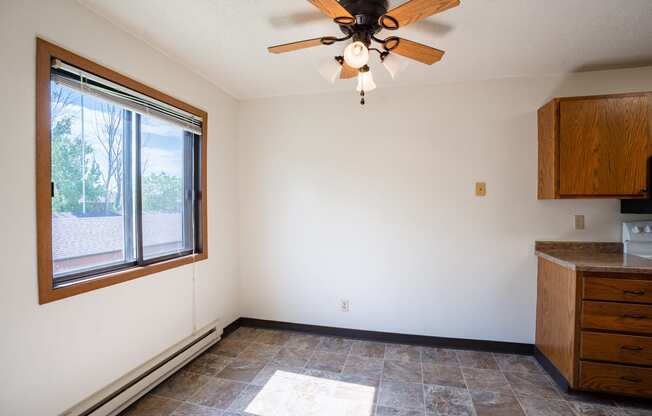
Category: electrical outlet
[579,222]
[344,305]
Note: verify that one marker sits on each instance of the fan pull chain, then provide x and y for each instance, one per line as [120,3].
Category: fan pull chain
[362,99]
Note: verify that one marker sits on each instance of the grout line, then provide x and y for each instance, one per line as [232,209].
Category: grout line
[270,362]
[312,354]
[380,381]
[468,390]
[314,351]
[150,394]
[548,379]
[511,388]
[382,376]
[348,354]
[423,381]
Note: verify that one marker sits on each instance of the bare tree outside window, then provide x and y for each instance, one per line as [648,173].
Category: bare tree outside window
[75,172]
[108,132]
[60,104]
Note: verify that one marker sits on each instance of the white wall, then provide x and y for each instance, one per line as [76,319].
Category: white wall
[376,204]
[54,355]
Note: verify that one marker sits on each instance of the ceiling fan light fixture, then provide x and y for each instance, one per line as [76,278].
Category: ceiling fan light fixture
[330,69]
[394,64]
[366,81]
[356,55]
[361,21]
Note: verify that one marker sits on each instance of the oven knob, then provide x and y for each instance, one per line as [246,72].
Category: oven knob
[636,229]
[647,229]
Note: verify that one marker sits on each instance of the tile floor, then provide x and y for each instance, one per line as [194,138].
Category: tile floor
[259,372]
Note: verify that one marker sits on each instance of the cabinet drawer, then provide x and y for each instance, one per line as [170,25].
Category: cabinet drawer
[620,290]
[627,349]
[621,317]
[619,379]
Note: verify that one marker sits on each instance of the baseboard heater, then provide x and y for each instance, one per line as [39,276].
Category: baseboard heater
[117,396]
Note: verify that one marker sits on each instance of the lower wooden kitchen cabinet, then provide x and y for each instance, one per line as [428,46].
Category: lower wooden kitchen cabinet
[595,328]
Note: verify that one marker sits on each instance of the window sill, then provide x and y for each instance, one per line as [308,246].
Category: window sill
[50,294]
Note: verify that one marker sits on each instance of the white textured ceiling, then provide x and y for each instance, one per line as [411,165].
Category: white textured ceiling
[225,40]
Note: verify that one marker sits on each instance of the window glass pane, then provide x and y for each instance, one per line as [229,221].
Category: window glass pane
[89,227]
[167,218]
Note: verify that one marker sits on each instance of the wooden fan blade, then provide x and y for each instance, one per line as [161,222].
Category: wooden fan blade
[414,10]
[348,71]
[295,46]
[332,9]
[413,50]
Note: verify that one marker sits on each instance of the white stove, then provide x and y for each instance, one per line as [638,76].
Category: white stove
[637,238]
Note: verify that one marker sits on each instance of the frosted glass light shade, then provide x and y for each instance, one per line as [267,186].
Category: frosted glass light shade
[366,82]
[394,64]
[330,69]
[356,55]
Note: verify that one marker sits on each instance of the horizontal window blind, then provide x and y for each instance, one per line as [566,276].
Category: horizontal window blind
[87,83]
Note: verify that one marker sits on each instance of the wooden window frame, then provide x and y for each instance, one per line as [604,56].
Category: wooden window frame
[45,53]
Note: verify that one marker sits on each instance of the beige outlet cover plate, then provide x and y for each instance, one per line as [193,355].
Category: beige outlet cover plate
[480,189]
[579,222]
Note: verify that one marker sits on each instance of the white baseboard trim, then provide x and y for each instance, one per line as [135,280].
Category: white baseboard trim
[118,395]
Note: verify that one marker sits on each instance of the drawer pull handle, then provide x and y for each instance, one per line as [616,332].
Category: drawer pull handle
[631,379]
[631,348]
[634,292]
[634,316]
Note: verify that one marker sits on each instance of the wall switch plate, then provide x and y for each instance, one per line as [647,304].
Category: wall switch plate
[344,305]
[480,189]
[579,222]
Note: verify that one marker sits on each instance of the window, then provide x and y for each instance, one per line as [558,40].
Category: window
[121,177]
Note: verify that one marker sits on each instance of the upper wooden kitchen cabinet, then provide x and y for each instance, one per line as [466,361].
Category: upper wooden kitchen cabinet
[595,147]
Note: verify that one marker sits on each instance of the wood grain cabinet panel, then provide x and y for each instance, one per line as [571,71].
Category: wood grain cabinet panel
[547,123]
[617,317]
[618,379]
[595,147]
[618,290]
[616,348]
[603,146]
[556,311]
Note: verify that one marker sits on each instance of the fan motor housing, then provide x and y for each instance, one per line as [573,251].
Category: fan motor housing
[372,8]
[366,13]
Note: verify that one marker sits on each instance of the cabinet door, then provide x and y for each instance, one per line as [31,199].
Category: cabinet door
[604,144]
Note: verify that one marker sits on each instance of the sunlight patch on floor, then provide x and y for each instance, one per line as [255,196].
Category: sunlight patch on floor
[291,394]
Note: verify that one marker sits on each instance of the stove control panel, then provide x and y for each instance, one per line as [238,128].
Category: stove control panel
[637,231]
[637,237]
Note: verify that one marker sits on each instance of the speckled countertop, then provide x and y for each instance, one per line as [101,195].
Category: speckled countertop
[592,257]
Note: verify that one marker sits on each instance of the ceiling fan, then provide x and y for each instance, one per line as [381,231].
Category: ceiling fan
[361,21]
